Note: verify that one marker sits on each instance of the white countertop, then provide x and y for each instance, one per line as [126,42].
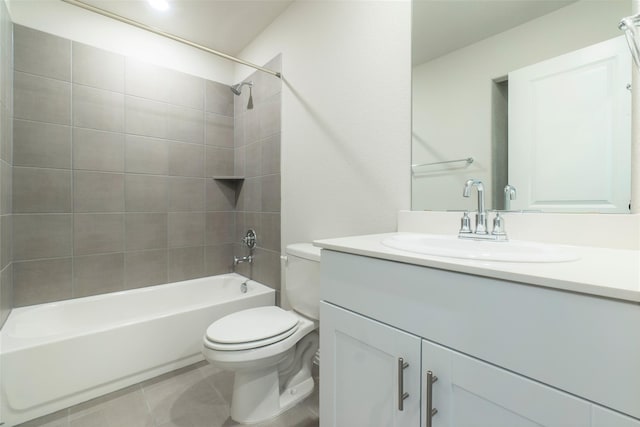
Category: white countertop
[611,273]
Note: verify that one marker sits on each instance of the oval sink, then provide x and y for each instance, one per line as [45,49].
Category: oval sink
[453,247]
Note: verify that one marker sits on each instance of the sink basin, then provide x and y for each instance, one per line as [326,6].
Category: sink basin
[453,247]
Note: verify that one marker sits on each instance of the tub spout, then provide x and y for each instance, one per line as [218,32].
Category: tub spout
[240,260]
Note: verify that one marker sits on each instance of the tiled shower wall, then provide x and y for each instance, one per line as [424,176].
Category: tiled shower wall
[257,142]
[112,166]
[6,112]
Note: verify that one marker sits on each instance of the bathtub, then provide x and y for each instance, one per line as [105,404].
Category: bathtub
[56,355]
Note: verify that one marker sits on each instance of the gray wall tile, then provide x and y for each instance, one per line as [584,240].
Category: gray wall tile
[41,281]
[98,233]
[218,259]
[185,124]
[270,231]
[146,155]
[98,109]
[161,84]
[219,130]
[186,263]
[186,90]
[98,150]
[146,193]
[220,227]
[6,132]
[271,193]
[41,144]
[186,229]
[186,159]
[146,118]
[41,236]
[221,195]
[270,116]
[98,274]
[186,194]
[6,188]
[251,195]
[238,131]
[146,231]
[219,99]
[252,125]
[253,159]
[97,68]
[42,99]
[41,53]
[41,190]
[6,293]
[145,268]
[98,192]
[219,161]
[268,268]
[239,168]
[6,240]
[271,155]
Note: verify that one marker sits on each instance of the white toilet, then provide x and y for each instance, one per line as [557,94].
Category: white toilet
[271,350]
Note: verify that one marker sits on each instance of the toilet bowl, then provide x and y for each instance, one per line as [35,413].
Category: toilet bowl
[269,349]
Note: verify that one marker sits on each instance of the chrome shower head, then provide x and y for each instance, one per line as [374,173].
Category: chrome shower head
[237,90]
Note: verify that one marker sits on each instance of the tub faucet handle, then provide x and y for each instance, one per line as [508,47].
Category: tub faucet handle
[250,239]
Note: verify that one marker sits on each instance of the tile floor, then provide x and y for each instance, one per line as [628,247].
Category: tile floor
[195,396]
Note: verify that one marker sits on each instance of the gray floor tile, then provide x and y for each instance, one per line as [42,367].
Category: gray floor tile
[194,396]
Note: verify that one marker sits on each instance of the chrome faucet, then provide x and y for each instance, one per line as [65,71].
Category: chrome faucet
[481,230]
[240,260]
[249,240]
[481,215]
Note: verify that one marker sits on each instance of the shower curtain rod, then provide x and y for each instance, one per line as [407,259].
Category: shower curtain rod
[168,35]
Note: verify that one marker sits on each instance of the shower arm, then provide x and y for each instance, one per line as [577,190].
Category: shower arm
[142,26]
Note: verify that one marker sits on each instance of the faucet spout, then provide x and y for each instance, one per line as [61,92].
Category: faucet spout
[481,215]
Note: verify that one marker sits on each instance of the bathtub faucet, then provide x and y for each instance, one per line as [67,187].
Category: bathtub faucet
[250,241]
[240,260]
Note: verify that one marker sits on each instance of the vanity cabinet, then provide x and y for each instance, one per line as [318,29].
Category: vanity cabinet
[369,369]
[505,354]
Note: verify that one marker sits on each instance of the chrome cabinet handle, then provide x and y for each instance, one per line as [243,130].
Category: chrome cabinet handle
[431,411]
[402,365]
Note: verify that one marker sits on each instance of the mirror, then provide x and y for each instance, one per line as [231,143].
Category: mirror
[463,53]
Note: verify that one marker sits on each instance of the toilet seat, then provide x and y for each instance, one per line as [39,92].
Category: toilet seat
[252,328]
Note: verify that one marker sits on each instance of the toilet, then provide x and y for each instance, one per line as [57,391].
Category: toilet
[269,349]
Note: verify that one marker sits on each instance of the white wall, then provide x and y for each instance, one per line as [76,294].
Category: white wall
[74,23]
[346,110]
[452,94]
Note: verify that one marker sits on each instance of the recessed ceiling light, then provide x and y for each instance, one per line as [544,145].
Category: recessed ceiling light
[159,4]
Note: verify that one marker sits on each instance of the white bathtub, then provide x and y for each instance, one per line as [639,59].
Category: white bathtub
[59,354]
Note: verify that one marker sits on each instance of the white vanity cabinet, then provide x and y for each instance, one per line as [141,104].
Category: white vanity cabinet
[505,354]
[372,368]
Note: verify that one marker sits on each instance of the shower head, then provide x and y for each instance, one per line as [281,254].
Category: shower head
[237,90]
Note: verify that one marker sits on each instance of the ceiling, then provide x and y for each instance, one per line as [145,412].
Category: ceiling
[442,26]
[224,25]
[439,26]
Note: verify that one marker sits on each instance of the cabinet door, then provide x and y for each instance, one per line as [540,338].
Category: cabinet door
[360,379]
[469,392]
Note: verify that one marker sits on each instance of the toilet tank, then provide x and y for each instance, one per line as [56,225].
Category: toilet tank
[303,279]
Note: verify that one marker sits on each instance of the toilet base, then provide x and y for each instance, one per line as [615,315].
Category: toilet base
[256,393]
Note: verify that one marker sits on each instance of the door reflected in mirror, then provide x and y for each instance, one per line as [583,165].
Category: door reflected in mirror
[564,148]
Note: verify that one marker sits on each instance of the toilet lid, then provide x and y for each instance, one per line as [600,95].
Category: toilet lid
[253,325]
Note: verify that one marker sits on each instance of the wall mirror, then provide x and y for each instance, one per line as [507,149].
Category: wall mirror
[472,117]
